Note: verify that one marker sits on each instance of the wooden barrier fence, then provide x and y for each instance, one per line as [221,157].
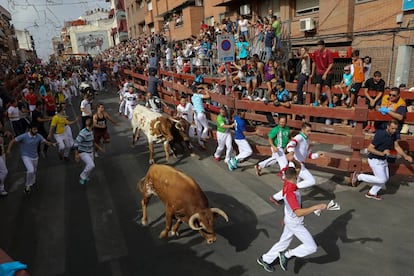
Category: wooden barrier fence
[353,139]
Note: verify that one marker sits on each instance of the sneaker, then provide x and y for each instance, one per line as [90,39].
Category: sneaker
[3,192]
[343,97]
[96,154]
[258,170]
[266,266]
[217,158]
[27,190]
[273,200]
[233,162]
[315,104]
[376,197]
[264,99]
[354,180]
[82,181]
[257,99]
[231,168]
[283,260]
[249,98]
[331,105]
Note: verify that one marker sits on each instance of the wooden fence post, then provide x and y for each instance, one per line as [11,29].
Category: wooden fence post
[357,142]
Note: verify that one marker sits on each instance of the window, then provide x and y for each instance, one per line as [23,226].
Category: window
[266,5]
[306,6]
[245,9]
[362,1]
[149,5]
[209,21]
[222,16]
[199,3]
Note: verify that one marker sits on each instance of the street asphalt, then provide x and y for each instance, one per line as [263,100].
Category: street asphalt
[63,229]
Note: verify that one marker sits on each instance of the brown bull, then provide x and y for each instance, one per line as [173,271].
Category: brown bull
[183,198]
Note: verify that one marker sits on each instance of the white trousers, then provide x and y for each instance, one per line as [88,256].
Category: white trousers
[31,167]
[202,126]
[63,143]
[305,180]
[307,247]
[3,171]
[245,150]
[69,135]
[87,158]
[277,157]
[380,177]
[122,107]
[129,109]
[224,140]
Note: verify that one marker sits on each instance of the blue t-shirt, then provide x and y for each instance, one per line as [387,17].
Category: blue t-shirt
[29,144]
[243,46]
[347,79]
[240,128]
[197,100]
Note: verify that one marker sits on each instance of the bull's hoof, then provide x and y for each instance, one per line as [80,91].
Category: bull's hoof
[163,234]
[173,234]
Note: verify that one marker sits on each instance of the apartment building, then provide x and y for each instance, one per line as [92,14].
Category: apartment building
[8,41]
[381,29]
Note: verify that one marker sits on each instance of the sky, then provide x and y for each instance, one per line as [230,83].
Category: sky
[45,18]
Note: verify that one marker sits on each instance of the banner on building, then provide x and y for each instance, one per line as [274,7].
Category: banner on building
[92,43]
[408,5]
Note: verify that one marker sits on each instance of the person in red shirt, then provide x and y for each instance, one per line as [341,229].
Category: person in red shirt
[31,98]
[50,104]
[322,66]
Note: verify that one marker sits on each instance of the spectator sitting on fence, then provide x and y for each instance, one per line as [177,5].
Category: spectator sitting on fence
[378,85]
[345,84]
[269,78]
[251,78]
[393,105]
[281,94]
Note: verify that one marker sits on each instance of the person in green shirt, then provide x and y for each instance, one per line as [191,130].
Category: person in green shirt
[224,137]
[278,138]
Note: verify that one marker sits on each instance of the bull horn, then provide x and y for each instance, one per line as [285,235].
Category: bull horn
[179,126]
[220,212]
[191,222]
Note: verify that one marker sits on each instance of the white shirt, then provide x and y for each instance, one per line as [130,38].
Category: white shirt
[131,98]
[14,113]
[86,105]
[186,112]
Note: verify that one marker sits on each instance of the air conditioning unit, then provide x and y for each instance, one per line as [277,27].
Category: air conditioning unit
[307,24]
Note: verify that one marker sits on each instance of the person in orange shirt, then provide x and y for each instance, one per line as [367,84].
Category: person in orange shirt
[50,104]
[357,78]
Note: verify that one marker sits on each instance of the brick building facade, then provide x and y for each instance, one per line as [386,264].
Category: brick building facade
[379,28]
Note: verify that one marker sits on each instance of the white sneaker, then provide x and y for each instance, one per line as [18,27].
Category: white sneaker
[257,99]
[343,97]
[263,99]
[249,98]
[96,155]
[3,192]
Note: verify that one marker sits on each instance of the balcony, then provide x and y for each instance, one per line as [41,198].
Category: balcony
[149,18]
[172,4]
[191,18]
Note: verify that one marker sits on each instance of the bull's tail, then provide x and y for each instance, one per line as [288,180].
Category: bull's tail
[141,184]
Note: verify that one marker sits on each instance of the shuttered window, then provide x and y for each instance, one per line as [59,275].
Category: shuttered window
[306,6]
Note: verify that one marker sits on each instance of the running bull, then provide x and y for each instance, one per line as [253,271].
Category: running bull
[183,199]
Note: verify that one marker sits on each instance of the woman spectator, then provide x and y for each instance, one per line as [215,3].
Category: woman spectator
[269,78]
[242,50]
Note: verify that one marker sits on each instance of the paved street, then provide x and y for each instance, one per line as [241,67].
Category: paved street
[62,229]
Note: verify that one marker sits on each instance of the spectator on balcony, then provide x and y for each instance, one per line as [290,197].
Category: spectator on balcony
[322,66]
[377,85]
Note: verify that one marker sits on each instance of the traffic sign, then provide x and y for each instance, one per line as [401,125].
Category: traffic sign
[225,44]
